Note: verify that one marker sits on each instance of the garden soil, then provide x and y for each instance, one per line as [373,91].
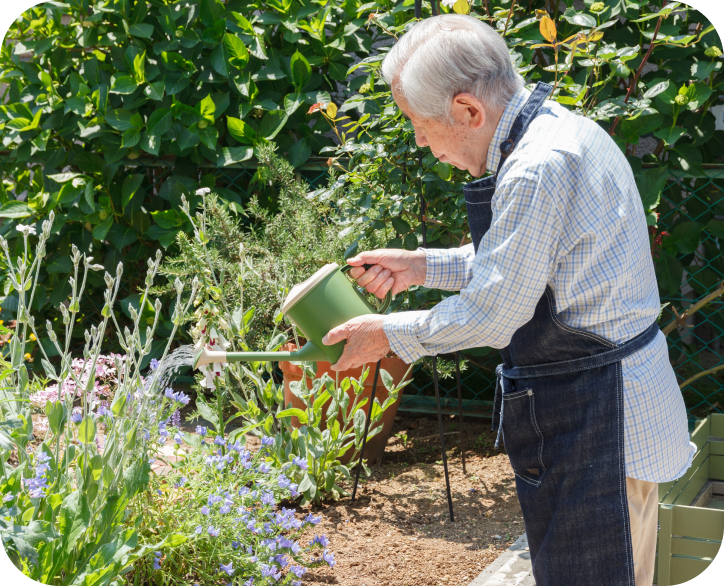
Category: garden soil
[398,532]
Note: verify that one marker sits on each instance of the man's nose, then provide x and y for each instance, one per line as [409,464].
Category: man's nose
[420,139]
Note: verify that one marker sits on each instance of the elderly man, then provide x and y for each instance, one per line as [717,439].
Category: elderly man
[559,277]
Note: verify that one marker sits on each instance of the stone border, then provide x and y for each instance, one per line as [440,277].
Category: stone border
[511,568]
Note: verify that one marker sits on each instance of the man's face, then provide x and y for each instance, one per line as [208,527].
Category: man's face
[459,144]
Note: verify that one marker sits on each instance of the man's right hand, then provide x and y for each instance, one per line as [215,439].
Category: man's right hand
[393,269]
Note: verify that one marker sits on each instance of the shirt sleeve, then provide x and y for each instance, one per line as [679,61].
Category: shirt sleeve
[509,275]
[449,268]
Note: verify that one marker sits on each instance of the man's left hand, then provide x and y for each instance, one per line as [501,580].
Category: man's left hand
[366,341]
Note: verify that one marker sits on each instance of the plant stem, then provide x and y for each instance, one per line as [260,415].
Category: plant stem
[699,375]
[680,320]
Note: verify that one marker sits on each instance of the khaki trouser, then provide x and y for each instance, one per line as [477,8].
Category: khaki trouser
[643,510]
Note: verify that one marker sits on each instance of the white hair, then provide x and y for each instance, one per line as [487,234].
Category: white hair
[450,54]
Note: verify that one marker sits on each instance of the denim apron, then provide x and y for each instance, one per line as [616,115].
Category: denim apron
[559,407]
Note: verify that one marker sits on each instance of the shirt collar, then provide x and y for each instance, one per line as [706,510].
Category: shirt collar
[503,129]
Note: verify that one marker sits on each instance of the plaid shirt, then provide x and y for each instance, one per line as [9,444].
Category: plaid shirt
[566,213]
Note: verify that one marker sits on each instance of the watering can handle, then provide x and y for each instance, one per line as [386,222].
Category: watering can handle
[388,297]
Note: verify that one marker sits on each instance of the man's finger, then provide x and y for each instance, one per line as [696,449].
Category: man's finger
[369,257]
[335,335]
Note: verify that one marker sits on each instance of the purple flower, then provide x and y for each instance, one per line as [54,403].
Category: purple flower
[225,509]
[321,540]
[202,431]
[181,481]
[235,544]
[146,434]
[198,530]
[178,439]
[76,417]
[219,441]
[249,582]
[267,441]
[205,510]
[298,571]
[328,557]
[8,497]
[157,560]
[312,519]
[154,364]
[244,490]
[267,498]
[228,568]
[283,481]
[281,560]
[264,468]
[302,463]
[213,531]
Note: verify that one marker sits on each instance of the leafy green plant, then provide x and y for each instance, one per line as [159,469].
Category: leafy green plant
[92,89]
[63,518]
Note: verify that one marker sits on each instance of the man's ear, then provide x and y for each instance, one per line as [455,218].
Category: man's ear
[467,109]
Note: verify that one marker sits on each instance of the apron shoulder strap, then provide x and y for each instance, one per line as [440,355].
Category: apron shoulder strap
[530,110]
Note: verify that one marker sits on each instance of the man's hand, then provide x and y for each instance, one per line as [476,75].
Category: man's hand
[366,341]
[393,269]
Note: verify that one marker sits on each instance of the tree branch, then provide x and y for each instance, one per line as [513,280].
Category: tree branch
[680,320]
[635,82]
[699,375]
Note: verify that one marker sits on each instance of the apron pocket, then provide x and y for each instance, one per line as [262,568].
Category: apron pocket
[522,436]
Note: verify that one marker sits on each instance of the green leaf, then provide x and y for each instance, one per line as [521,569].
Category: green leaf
[207,107]
[15,209]
[175,62]
[300,152]
[231,155]
[581,19]
[87,430]
[655,90]
[292,102]
[121,236]
[142,30]
[670,135]
[301,71]
[155,90]
[716,228]
[207,412]
[187,139]
[240,130]
[651,184]
[238,54]
[400,225]
[698,94]
[130,138]
[687,235]
[669,272]
[130,187]
[100,230]
[139,68]
[160,121]
[123,84]
[123,120]
[218,60]
[272,123]
[298,413]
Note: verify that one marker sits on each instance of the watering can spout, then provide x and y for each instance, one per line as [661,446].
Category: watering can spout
[307,353]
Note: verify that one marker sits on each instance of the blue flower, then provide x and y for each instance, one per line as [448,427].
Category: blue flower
[298,571]
[198,530]
[202,431]
[249,582]
[321,540]
[312,519]
[228,568]
[225,509]
[267,498]
[302,463]
[76,417]
[219,441]
[181,481]
[157,560]
[235,544]
[264,468]
[328,557]
[213,531]
[205,510]
[267,441]
[154,364]
[283,481]
[178,439]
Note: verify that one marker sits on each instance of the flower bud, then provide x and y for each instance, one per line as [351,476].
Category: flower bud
[713,52]
[109,280]
[598,7]
[681,100]
[119,270]
[178,285]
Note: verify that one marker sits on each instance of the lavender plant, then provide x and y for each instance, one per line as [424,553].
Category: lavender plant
[227,499]
[64,518]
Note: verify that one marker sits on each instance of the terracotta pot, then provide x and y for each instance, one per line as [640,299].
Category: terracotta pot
[394,366]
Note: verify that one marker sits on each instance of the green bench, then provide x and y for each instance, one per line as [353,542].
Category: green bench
[691,509]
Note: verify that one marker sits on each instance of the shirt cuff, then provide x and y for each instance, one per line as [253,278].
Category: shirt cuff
[446,268]
[400,329]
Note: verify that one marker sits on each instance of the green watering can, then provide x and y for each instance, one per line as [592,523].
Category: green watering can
[324,301]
